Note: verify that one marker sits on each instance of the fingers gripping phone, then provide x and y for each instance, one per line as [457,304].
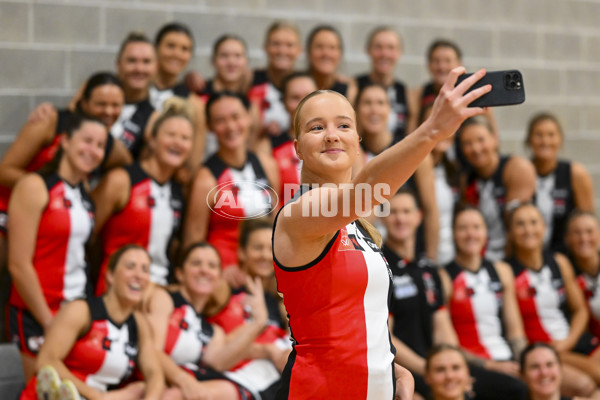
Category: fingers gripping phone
[507,88]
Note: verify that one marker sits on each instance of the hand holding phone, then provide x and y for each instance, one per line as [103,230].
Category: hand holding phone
[507,88]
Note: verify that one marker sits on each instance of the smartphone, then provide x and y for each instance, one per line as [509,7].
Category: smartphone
[507,88]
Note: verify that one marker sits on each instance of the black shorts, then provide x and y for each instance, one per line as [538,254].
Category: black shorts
[206,373]
[587,344]
[24,331]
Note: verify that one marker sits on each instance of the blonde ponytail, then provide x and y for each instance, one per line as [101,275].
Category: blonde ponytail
[174,107]
[371,230]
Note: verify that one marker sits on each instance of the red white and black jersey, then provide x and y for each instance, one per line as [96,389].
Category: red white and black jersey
[242,194]
[257,375]
[159,96]
[131,125]
[489,196]
[590,285]
[555,199]
[105,356]
[59,261]
[338,309]
[542,300]
[398,101]
[289,165]
[269,100]
[187,334]
[151,218]
[417,295]
[476,311]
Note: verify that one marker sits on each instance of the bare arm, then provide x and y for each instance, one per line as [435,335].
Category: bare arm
[520,180]
[31,139]
[576,303]
[25,212]
[307,235]
[195,226]
[583,190]
[197,156]
[118,157]
[425,178]
[510,312]
[148,361]
[110,196]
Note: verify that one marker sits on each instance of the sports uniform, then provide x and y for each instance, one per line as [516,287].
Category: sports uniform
[65,226]
[554,198]
[242,193]
[489,196]
[591,290]
[338,309]
[158,96]
[289,166]
[398,101]
[258,375]
[340,87]
[188,333]
[476,310]
[131,125]
[151,218]
[104,357]
[269,99]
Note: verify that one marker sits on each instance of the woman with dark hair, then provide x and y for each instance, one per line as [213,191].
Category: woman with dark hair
[142,203]
[551,302]
[243,180]
[324,49]
[447,373]
[193,353]
[48,234]
[259,375]
[94,345]
[562,186]
[495,182]
[583,244]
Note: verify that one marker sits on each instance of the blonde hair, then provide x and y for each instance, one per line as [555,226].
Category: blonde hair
[371,230]
[174,107]
[280,25]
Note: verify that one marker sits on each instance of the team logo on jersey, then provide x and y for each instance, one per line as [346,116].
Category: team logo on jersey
[106,343]
[68,203]
[131,350]
[184,325]
[404,287]
[151,201]
[34,343]
[241,200]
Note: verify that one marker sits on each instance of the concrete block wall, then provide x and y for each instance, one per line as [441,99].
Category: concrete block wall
[48,47]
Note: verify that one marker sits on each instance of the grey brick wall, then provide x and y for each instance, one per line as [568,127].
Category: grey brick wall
[47,47]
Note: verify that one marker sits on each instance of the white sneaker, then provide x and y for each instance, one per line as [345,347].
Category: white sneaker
[68,391]
[47,383]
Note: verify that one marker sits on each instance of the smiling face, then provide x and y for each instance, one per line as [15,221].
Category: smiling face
[447,375]
[583,236]
[85,148]
[541,372]
[443,60]
[256,257]
[105,103]
[230,121]
[545,140]
[200,271]
[297,89]
[131,276]
[478,145]
[325,53]
[470,233]
[404,218]
[173,142]
[283,48]
[137,65]
[174,53]
[230,60]
[325,127]
[372,111]
[526,230]
[385,51]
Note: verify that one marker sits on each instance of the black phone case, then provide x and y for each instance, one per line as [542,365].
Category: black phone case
[507,88]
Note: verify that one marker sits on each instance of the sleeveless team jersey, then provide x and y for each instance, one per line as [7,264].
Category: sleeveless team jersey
[187,334]
[554,198]
[59,258]
[258,375]
[542,300]
[489,196]
[416,296]
[340,87]
[158,96]
[131,124]
[151,218]
[289,166]
[590,285]
[428,95]
[241,196]
[398,101]
[476,311]
[338,310]
[269,100]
